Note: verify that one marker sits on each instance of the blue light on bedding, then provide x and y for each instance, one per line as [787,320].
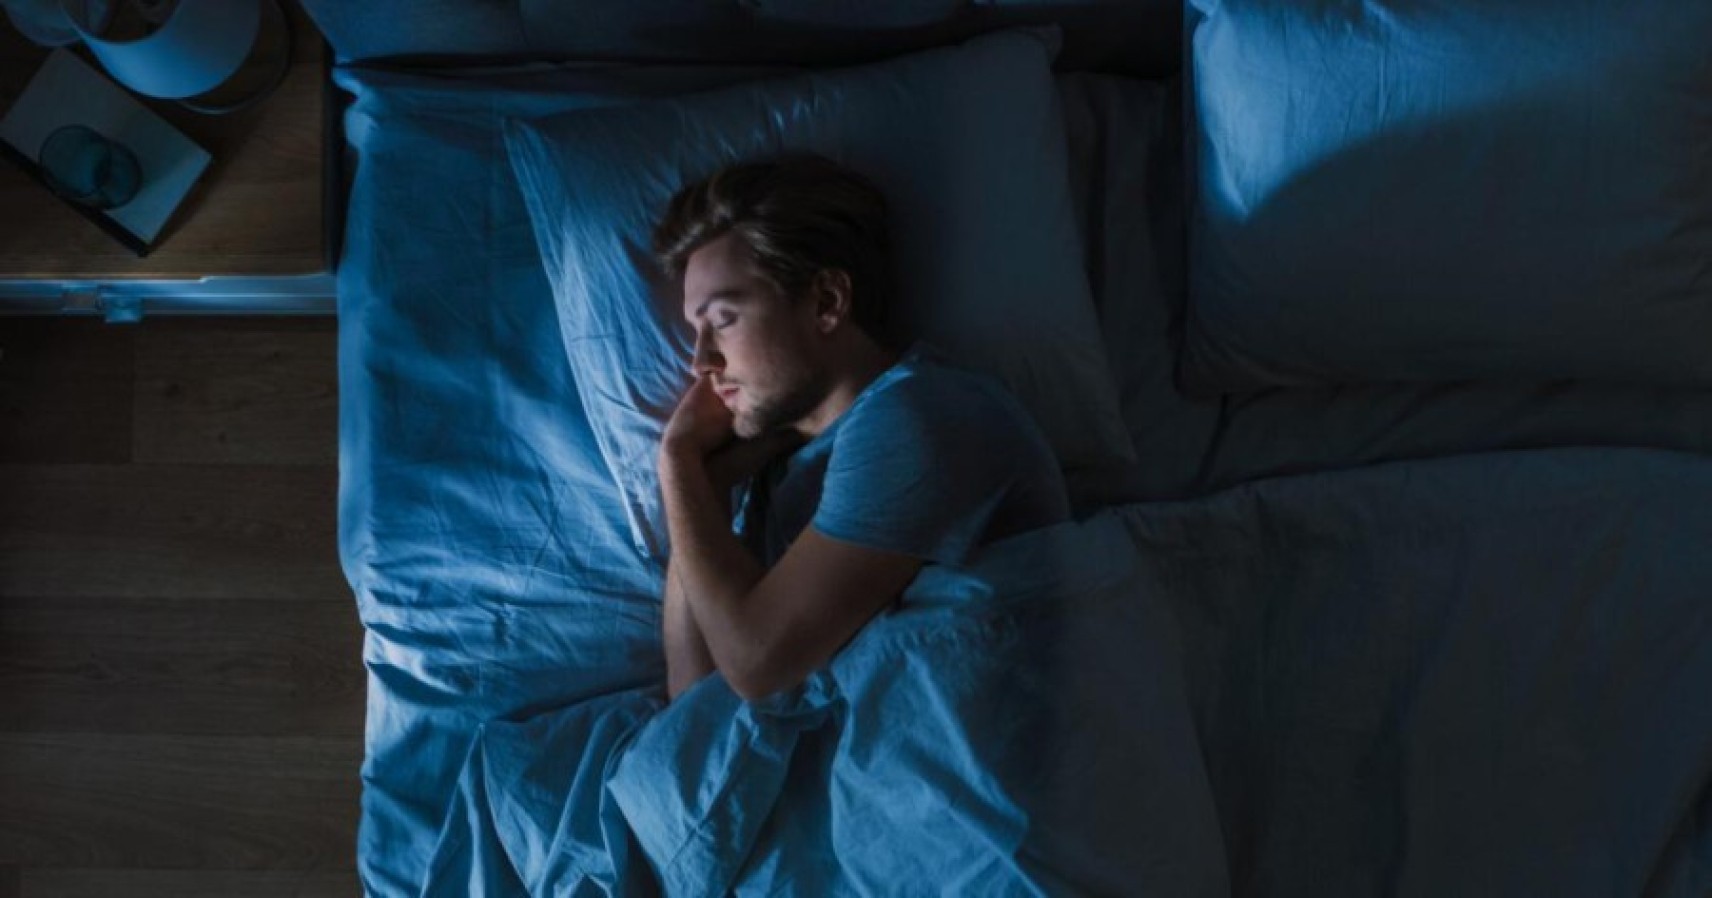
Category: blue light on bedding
[1015,727]
[480,533]
[1126,168]
[1478,674]
[1397,190]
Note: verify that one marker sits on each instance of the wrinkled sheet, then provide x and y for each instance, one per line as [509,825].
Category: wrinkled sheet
[1015,727]
[1485,675]
[486,545]
[482,537]
[1481,675]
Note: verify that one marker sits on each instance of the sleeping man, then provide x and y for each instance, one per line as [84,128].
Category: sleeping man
[860,463]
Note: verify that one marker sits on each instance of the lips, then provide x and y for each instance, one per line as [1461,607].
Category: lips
[727,394]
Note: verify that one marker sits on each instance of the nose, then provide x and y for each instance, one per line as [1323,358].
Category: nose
[707,359]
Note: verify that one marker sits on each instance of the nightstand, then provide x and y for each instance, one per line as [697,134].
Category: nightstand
[258,232]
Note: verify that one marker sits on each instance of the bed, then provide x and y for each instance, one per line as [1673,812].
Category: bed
[1425,613]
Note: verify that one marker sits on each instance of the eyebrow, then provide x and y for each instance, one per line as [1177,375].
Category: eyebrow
[726,294]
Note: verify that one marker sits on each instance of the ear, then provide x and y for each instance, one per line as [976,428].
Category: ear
[832,296]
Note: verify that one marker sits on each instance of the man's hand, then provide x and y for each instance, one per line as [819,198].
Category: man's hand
[700,431]
[700,424]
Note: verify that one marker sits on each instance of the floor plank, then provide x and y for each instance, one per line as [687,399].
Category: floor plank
[180,666]
[181,685]
[65,391]
[188,531]
[105,801]
[223,392]
[189,884]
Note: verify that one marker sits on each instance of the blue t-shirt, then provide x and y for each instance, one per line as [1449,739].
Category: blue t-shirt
[930,460]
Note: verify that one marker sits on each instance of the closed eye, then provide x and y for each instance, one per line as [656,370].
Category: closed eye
[725,322]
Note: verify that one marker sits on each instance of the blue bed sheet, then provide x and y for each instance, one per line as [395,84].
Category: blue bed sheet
[482,538]
[1018,726]
[1480,674]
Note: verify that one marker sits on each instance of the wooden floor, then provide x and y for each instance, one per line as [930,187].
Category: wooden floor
[181,684]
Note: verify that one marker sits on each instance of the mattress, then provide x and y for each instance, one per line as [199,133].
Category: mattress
[486,547]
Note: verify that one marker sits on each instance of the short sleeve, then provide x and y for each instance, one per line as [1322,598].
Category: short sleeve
[918,469]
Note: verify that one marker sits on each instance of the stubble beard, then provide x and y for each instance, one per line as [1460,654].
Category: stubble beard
[767,415]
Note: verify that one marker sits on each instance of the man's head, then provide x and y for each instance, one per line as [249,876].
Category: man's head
[785,275]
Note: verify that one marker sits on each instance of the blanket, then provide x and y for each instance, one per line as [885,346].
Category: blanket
[1480,675]
[1485,675]
[999,730]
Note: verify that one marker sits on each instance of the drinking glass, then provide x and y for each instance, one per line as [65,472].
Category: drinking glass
[88,168]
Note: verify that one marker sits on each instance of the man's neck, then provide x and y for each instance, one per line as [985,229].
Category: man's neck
[868,362]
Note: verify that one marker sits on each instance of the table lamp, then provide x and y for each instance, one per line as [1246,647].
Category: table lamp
[42,21]
[211,56]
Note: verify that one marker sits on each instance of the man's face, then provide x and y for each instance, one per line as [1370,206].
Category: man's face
[756,344]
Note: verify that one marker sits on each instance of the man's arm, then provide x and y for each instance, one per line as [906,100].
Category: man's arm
[687,658]
[767,630]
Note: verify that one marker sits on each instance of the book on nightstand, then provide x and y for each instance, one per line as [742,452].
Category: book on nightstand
[68,91]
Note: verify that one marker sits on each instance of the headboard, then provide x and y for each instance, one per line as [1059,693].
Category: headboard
[1133,37]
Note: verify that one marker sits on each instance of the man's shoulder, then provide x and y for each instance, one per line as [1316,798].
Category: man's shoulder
[933,381]
[930,394]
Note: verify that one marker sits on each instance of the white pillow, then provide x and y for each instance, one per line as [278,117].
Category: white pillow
[967,143]
[1428,192]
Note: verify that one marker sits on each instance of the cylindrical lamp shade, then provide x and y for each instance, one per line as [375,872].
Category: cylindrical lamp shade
[42,21]
[199,46]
